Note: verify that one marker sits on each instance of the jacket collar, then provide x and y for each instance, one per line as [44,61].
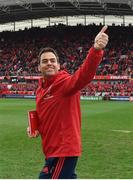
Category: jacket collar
[45,82]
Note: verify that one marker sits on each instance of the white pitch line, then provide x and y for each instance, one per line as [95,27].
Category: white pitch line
[123,131]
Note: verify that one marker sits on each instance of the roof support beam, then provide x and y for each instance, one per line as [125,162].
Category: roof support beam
[5,9]
[49,3]
[130,3]
[25,4]
[75,3]
[103,4]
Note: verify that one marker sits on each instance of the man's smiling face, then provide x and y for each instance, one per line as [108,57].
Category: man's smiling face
[49,66]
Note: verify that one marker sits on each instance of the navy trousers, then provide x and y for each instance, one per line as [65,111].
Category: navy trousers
[59,168]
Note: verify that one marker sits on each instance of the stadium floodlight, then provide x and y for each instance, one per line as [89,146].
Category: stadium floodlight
[25,4]
[49,3]
[75,3]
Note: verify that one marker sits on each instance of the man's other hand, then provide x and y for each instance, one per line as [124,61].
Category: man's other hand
[36,134]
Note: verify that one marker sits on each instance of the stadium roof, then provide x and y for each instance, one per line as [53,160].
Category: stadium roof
[17,10]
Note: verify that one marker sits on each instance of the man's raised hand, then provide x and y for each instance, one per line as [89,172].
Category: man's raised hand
[101,40]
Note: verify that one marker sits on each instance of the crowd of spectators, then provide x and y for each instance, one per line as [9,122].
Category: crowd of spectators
[25,88]
[111,88]
[19,50]
[95,88]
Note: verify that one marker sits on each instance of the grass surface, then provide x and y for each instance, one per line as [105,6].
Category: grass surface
[106,153]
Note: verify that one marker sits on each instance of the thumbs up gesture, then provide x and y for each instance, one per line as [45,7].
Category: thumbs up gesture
[101,39]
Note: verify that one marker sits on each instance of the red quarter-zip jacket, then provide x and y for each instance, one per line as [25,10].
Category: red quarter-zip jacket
[58,108]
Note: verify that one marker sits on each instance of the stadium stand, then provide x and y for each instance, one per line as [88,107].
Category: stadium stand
[19,50]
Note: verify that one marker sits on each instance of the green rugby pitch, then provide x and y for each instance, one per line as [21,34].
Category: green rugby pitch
[107,141]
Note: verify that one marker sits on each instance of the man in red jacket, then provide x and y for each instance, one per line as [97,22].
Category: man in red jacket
[58,109]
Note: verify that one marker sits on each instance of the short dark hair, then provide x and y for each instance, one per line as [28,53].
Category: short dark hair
[48,49]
